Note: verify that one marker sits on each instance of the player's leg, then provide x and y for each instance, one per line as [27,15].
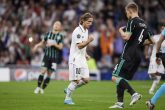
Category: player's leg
[74,77]
[51,67]
[134,95]
[119,88]
[84,72]
[123,84]
[120,93]
[151,103]
[158,94]
[156,79]
[40,80]
[155,72]
[46,80]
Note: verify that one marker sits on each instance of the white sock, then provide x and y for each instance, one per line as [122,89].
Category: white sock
[81,83]
[71,87]
[155,83]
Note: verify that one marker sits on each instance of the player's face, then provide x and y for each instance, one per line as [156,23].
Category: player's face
[88,23]
[128,13]
[57,26]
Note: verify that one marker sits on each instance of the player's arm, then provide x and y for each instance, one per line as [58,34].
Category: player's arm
[58,46]
[161,39]
[125,35]
[146,50]
[85,43]
[40,44]
[149,41]
[158,53]
[126,32]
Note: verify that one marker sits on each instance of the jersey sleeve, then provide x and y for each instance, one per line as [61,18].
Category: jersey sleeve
[149,34]
[163,32]
[45,37]
[61,40]
[76,37]
[130,26]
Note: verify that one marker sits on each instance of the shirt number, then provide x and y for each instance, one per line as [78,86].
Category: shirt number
[141,36]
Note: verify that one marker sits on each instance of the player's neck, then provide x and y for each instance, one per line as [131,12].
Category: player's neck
[134,15]
[84,27]
[55,32]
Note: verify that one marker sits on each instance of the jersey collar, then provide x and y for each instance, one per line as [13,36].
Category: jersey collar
[81,27]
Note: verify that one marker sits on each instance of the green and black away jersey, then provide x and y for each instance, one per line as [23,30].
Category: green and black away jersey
[139,33]
[52,52]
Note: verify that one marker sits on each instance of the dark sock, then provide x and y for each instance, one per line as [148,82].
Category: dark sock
[40,80]
[125,85]
[46,81]
[120,93]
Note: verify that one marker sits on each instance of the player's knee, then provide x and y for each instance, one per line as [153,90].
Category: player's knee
[113,79]
[152,76]
[76,81]
[86,80]
[43,71]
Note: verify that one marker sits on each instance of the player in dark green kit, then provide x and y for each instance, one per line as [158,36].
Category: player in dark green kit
[52,43]
[135,35]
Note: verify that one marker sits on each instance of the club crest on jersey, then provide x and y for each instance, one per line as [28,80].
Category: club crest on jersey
[78,36]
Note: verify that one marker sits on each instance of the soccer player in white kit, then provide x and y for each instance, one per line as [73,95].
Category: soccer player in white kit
[78,68]
[155,70]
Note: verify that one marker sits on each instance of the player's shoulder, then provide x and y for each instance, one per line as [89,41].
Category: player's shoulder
[77,30]
[138,20]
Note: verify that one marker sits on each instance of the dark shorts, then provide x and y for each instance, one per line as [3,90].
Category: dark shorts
[126,68]
[49,63]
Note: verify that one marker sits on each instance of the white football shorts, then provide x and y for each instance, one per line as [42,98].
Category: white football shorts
[154,67]
[77,73]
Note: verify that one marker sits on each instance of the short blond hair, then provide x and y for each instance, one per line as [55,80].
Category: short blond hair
[132,6]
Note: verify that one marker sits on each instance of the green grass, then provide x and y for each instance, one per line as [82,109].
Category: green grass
[94,96]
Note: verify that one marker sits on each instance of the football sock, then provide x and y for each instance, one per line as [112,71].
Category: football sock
[46,82]
[158,94]
[155,83]
[120,92]
[125,85]
[71,87]
[40,80]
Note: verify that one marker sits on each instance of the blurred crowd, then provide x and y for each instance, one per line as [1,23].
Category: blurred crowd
[24,22]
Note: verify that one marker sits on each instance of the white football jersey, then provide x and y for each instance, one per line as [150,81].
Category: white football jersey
[77,56]
[162,49]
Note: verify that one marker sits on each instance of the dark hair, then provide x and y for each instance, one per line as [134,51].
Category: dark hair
[85,17]
[133,6]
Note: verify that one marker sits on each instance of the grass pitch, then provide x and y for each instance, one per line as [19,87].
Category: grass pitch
[94,96]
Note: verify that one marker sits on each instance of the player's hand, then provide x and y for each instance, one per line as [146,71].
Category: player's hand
[90,38]
[88,57]
[158,61]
